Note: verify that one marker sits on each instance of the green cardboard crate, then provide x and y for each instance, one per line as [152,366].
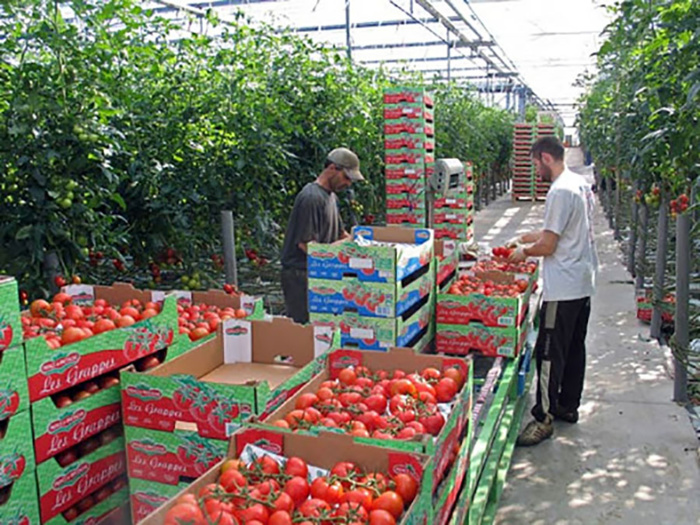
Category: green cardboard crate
[14,394]
[98,512]
[10,326]
[16,449]
[22,507]
[147,496]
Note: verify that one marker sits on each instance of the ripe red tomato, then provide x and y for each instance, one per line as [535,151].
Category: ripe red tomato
[431,373]
[284,502]
[446,389]
[257,511]
[232,480]
[389,501]
[381,517]
[313,507]
[298,489]
[406,487]
[184,513]
[296,466]
[360,496]
[306,400]
[403,386]
[347,376]
[456,375]
[268,465]
[280,517]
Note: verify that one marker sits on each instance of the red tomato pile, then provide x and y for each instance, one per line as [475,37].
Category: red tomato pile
[61,322]
[93,499]
[264,492]
[378,405]
[200,320]
[487,265]
[502,251]
[468,284]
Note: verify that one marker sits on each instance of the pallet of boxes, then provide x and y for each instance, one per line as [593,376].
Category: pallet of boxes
[19,499]
[453,215]
[486,309]
[375,287]
[179,416]
[409,154]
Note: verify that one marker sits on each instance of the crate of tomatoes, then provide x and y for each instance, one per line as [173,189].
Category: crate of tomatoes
[398,399]
[279,478]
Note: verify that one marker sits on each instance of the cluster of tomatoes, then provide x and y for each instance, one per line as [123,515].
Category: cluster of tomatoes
[93,499]
[468,284]
[502,252]
[89,445]
[378,405]
[679,205]
[61,322]
[486,265]
[199,320]
[265,492]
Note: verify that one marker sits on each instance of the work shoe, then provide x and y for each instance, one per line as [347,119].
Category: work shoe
[535,432]
[570,416]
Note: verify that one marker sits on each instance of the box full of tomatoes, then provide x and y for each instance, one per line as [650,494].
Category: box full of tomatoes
[88,331]
[146,496]
[375,254]
[279,477]
[19,499]
[105,504]
[10,327]
[99,462]
[199,313]
[460,339]
[250,366]
[528,270]
[493,299]
[398,399]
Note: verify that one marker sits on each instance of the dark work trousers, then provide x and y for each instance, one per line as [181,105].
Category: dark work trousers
[295,286]
[560,352]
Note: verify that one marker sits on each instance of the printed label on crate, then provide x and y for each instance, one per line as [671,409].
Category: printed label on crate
[159,295]
[82,294]
[211,406]
[238,341]
[413,172]
[460,339]
[77,481]
[168,457]
[72,426]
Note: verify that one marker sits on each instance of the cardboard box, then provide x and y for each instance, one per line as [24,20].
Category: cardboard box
[323,451]
[409,361]
[170,457]
[58,429]
[406,203]
[410,95]
[101,511]
[405,186]
[407,217]
[492,342]
[455,232]
[451,216]
[22,507]
[369,299]
[492,311]
[460,201]
[405,171]
[250,366]
[118,516]
[418,141]
[16,450]
[447,262]
[375,333]
[416,110]
[10,326]
[14,394]
[51,371]
[61,488]
[147,496]
[383,264]
[408,156]
[445,498]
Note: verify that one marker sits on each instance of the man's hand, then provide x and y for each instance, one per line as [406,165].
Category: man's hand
[518,255]
[514,242]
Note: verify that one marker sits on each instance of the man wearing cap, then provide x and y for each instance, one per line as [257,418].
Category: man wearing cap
[315,218]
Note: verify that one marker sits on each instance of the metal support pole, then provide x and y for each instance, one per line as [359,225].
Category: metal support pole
[681,321]
[229,244]
[347,29]
[660,275]
[641,268]
[449,57]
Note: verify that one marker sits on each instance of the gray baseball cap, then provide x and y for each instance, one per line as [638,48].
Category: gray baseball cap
[344,158]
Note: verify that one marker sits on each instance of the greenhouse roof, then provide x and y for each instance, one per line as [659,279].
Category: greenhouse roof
[539,47]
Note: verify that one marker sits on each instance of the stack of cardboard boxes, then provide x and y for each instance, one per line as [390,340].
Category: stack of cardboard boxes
[453,216]
[409,154]
[377,288]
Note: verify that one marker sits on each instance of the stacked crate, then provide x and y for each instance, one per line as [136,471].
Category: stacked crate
[178,417]
[76,406]
[409,154]
[19,500]
[541,186]
[377,288]
[523,169]
[453,216]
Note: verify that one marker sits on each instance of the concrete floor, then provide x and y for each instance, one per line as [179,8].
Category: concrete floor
[633,456]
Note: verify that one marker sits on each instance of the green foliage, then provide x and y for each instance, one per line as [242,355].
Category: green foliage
[124,135]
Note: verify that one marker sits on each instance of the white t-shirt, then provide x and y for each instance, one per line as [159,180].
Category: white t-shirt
[569,273]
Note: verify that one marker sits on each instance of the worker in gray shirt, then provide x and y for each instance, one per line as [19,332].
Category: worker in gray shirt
[315,218]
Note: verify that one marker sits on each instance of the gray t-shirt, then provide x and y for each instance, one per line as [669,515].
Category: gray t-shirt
[569,273]
[315,217]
